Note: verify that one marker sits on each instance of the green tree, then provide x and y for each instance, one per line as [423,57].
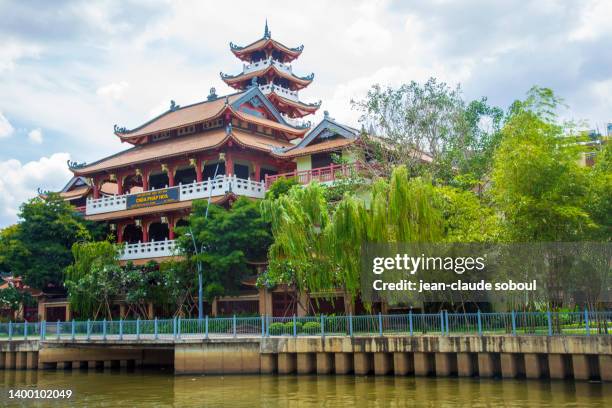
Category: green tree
[538,185]
[47,230]
[599,202]
[226,241]
[94,278]
[428,118]
[314,250]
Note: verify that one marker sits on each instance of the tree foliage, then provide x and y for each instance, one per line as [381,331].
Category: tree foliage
[38,248]
[226,240]
[403,123]
[538,185]
[317,250]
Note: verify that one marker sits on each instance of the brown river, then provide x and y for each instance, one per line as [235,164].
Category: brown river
[162,389]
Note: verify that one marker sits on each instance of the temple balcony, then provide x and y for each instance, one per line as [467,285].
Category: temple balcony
[219,186]
[146,250]
[280,91]
[262,64]
[324,175]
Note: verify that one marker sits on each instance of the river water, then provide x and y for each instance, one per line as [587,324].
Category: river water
[162,389]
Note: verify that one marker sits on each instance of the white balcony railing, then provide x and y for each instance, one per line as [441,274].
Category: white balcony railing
[259,65]
[144,250]
[219,186]
[279,90]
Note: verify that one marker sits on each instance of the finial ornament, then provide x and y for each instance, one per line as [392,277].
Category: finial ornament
[120,129]
[75,165]
[212,95]
[326,114]
[267,32]
[253,81]
[173,106]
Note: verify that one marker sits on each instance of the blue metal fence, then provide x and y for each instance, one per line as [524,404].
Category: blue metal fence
[584,323]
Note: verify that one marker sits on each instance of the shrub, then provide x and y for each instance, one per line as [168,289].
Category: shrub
[312,327]
[289,327]
[277,328]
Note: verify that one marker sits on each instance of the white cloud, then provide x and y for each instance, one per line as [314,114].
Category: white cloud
[114,91]
[594,21]
[19,182]
[6,129]
[11,51]
[35,136]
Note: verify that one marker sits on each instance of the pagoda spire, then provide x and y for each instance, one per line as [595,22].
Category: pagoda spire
[267,32]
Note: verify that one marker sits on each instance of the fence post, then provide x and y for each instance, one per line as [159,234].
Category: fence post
[155,329]
[10,330]
[268,322]
[513,323]
[42,330]
[446,322]
[479,323]
[380,325]
[104,329]
[58,329]
[88,329]
[294,327]
[410,322]
[548,316]
[120,329]
[442,322]
[263,326]
[25,330]
[138,328]
[206,327]
[234,325]
[322,326]
[73,329]
[351,324]
[174,327]
[178,327]
[586,321]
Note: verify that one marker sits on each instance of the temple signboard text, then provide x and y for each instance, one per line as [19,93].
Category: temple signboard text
[154,197]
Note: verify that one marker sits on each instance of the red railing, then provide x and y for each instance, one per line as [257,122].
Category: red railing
[321,174]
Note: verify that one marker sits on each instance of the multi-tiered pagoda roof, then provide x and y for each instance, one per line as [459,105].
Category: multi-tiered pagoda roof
[267,66]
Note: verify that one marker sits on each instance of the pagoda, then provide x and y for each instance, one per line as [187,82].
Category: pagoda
[267,65]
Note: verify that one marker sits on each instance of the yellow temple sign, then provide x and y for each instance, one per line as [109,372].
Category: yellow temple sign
[154,197]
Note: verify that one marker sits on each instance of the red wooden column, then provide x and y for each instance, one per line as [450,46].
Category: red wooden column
[119,184]
[120,228]
[145,179]
[170,228]
[229,164]
[144,225]
[96,190]
[257,171]
[171,175]
[198,169]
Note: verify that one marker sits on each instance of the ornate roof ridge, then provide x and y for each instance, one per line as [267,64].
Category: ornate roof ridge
[264,70]
[123,131]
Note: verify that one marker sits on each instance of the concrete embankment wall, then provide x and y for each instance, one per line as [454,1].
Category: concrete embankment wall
[581,358]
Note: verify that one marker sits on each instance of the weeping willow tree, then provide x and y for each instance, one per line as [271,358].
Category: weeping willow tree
[88,279]
[402,210]
[300,224]
[317,251]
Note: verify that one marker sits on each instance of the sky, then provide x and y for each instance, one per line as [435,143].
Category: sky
[70,70]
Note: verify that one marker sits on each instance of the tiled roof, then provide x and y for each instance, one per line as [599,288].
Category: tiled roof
[183,116]
[76,193]
[179,146]
[263,43]
[231,80]
[326,146]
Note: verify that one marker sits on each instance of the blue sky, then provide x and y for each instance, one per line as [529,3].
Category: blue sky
[70,70]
